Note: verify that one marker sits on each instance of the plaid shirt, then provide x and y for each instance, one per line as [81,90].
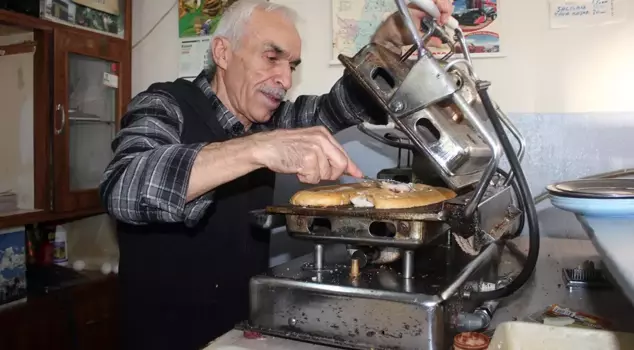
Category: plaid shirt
[148,177]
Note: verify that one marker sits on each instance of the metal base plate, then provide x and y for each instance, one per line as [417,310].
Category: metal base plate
[377,310]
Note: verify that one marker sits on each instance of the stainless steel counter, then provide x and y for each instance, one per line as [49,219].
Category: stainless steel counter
[546,287]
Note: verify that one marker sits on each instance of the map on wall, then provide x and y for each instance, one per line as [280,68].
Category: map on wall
[355,21]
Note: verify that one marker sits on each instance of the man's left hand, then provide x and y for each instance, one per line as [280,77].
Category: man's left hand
[394,34]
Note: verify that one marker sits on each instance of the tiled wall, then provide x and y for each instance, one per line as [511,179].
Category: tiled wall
[559,147]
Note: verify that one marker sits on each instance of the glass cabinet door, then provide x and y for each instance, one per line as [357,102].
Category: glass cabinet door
[89,102]
[92,114]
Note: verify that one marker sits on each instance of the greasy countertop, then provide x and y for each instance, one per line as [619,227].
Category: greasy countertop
[612,237]
[546,287]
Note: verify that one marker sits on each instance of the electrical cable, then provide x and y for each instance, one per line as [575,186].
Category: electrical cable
[529,206]
[155,25]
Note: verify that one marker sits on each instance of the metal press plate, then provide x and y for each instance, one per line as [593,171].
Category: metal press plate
[594,188]
[432,212]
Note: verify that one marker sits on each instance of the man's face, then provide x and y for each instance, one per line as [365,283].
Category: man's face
[259,72]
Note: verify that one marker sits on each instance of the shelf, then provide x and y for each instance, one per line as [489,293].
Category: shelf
[24,216]
[24,21]
[15,19]
[18,217]
[16,49]
[90,120]
[86,117]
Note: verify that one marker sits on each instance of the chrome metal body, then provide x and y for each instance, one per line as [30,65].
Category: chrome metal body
[377,310]
[408,291]
[414,266]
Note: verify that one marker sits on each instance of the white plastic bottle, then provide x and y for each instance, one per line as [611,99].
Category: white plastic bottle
[60,252]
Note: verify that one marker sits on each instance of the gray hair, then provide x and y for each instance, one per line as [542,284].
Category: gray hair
[236,17]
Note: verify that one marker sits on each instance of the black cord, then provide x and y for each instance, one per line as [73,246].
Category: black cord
[529,206]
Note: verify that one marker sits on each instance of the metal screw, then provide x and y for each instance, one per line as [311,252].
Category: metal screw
[292,322]
[397,106]
[466,294]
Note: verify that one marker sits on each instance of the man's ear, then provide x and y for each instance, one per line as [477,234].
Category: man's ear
[220,51]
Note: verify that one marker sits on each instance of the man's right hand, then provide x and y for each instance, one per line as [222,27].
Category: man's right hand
[311,153]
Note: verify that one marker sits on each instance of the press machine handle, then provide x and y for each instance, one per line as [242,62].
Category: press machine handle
[430,8]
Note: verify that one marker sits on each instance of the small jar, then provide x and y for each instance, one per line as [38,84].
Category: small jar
[471,341]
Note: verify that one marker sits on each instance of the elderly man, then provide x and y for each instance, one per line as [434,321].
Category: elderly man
[192,159]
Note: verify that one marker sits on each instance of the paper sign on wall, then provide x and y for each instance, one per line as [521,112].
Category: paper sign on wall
[586,13]
[194,56]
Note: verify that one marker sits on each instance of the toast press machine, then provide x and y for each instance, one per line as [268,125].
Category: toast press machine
[409,278]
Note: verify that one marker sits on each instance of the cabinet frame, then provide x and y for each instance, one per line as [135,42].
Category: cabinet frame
[53,204]
[94,46]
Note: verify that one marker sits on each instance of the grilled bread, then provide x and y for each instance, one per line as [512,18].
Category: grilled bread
[378,195]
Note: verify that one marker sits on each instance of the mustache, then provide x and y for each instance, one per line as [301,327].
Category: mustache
[278,93]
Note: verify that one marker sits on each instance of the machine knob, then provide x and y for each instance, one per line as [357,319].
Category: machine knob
[360,257]
[354,268]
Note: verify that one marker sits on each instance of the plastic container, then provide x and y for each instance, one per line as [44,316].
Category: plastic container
[60,252]
[535,336]
[471,341]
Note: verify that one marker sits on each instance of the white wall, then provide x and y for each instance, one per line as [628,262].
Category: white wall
[544,70]
[156,58]
[572,70]
[16,133]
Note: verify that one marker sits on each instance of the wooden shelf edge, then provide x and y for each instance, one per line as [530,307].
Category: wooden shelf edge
[35,23]
[24,21]
[26,217]
[16,49]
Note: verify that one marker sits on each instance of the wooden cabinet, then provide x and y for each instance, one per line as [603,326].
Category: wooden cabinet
[37,324]
[95,312]
[81,88]
[75,318]
[89,99]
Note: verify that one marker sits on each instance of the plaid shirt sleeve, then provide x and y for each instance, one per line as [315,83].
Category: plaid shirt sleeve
[337,110]
[148,177]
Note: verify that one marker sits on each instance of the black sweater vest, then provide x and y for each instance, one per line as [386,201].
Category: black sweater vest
[182,287]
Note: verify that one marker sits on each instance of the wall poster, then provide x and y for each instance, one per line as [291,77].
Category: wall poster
[354,22]
[197,21]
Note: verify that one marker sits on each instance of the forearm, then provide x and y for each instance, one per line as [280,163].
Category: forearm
[147,181]
[150,185]
[220,163]
[388,30]
[351,102]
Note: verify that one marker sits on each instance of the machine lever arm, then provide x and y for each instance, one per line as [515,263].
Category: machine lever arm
[430,8]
